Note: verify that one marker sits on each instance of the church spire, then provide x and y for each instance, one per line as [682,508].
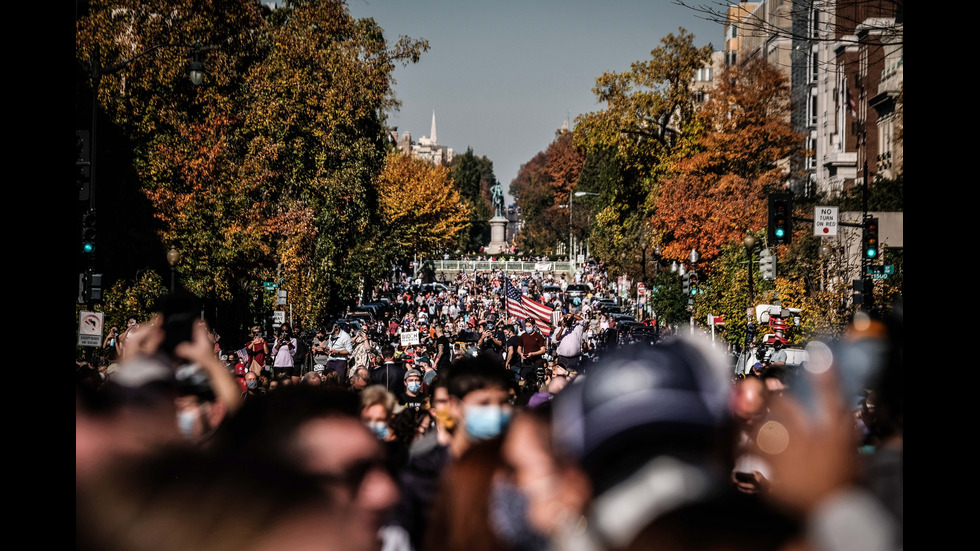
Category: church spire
[432,136]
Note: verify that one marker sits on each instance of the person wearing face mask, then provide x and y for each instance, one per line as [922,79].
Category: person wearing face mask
[199,412]
[252,387]
[531,347]
[413,397]
[477,409]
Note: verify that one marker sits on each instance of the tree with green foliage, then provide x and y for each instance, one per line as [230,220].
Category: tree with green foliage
[667,299]
[474,176]
[543,189]
[267,169]
[138,298]
[632,143]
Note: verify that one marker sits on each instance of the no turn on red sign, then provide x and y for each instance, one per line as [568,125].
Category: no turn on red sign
[825,221]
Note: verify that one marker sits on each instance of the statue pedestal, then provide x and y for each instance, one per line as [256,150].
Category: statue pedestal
[498,235]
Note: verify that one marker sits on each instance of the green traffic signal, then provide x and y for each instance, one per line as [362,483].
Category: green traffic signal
[88,232]
[870,238]
[780,219]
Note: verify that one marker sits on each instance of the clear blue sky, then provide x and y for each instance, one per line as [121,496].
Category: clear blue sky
[503,75]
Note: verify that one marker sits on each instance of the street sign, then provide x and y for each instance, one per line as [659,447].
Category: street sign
[269,285]
[90,329]
[279,316]
[641,288]
[879,276]
[825,221]
[715,320]
[281,297]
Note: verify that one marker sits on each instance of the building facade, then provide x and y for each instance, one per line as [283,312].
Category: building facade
[427,147]
[844,61]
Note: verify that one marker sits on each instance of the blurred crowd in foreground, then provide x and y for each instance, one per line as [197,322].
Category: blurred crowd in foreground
[652,447]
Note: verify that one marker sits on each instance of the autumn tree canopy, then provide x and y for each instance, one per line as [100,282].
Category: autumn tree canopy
[270,167]
[542,189]
[719,192]
[631,146]
[421,209]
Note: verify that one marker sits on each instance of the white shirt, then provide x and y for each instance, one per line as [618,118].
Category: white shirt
[340,342]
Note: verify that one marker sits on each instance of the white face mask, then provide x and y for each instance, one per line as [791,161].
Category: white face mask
[185,422]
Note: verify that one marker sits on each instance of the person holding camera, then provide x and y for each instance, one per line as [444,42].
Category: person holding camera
[257,348]
[320,347]
[569,339]
[284,351]
[489,342]
[339,349]
[111,344]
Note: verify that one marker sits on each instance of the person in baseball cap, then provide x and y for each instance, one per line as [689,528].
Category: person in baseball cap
[650,429]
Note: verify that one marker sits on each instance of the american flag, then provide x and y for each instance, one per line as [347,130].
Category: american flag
[523,307]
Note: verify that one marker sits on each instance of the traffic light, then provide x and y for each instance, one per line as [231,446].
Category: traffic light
[83,165]
[780,219]
[89,287]
[88,232]
[686,284]
[694,284]
[869,239]
[94,292]
[863,293]
[749,333]
[767,265]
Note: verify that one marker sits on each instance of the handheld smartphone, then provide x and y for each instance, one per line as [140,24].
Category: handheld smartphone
[179,315]
[857,365]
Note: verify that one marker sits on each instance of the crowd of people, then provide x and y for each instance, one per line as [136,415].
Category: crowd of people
[486,432]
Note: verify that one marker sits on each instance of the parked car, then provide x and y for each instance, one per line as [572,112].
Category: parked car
[577,290]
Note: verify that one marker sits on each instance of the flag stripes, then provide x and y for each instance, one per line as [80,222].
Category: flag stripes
[523,307]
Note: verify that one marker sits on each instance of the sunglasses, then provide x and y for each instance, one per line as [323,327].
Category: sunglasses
[353,476]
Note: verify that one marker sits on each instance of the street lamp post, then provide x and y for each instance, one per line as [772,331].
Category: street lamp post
[97,71]
[173,256]
[749,243]
[571,246]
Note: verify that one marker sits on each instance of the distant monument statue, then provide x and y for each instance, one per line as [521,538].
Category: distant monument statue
[497,198]
[498,224]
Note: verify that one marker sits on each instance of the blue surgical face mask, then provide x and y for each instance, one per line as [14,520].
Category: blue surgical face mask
[380,429]
[486,422]
[414,386]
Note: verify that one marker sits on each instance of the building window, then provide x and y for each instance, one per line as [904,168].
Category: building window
[811,148]
[812,118]
[731,57]
[814,67]
[732,31]
[704,74]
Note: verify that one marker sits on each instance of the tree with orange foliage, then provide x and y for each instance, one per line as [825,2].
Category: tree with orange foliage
[718,192]
[421,209]
[542,190]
